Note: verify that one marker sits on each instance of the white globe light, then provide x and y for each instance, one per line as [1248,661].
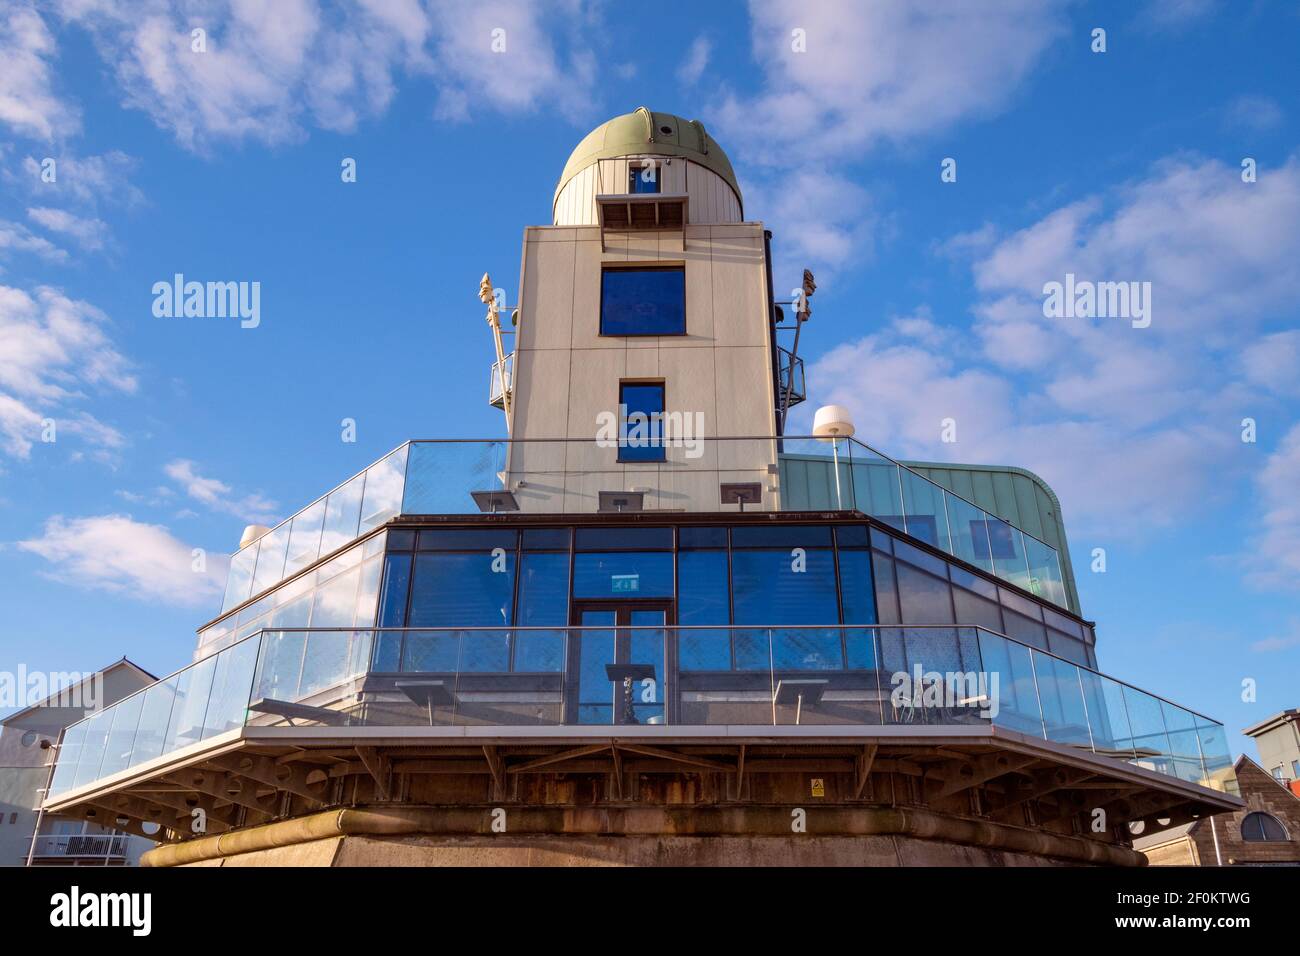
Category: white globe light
[833,421]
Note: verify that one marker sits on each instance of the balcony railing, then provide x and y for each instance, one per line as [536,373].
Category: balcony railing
[498,376]
[79,846]
[867,676]
[572,476]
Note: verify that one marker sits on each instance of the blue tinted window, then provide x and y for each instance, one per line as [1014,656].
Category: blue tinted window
[643,301]
[703,599]
[769,590]
[543,602]
[689,537]
[462,590]
[468,539]
[640,427]
[643,177]
[392,598]
[781,536]
[626,574]
[631,539]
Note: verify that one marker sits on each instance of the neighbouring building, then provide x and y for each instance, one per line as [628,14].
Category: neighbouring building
[651,625]
[1265,832]
[1278,742]
[27,748]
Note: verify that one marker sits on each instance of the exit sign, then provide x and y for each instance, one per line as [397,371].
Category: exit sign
[623,583]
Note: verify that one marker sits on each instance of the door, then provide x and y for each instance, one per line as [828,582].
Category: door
[617,633]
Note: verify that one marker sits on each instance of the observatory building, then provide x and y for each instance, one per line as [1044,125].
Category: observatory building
[651,625]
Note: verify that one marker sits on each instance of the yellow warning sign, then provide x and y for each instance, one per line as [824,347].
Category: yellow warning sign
[818,787]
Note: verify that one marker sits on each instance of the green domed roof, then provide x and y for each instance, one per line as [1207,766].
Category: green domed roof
[641,132]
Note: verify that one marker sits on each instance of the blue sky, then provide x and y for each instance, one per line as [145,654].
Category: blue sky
[225,165]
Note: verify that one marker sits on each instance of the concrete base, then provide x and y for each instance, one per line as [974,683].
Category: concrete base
[875,851]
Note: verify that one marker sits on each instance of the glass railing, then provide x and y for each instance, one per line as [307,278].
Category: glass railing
[652,676]
[583,476]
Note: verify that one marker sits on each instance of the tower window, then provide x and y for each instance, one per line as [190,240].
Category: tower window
[640,421]
[643,176]
[643,301]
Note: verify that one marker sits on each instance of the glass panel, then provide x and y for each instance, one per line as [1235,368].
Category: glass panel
[441,475]
[1107,716]
[1011,684]
[791,587]
[923,598]
[468,539]
[543,602]
[807,649]
[624,539]
[703,596]
[1044,571]
[1061,698]
[1185,744]
[1150,740]
[397,582]
[368,591]
[923,510]
[231,684]
[92,747]
[646,646]
[335,603]
[325,661]
[970,533]
[280,665]
[383,492]
[547,539]
[239,580]
[857,593]
[304,538]
[595,650]
[270,558]
[151,734]
[1008,547]
[876,488]
[643,301]
[65,770]
[1217,756]
[342,515]
[707,649]
[121,739]
[463,590]
[193,688]
[624,574]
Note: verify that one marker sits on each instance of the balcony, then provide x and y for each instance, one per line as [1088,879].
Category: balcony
[567,477]
[331,686]
[64,849]
[497,391]
[786,381]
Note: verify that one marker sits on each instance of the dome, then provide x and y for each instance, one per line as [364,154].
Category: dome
[642,132]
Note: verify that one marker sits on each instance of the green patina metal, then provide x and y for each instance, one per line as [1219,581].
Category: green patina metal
[643,132]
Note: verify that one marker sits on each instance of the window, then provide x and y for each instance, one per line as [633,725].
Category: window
[644,301]
[643,176]
[640,427]
[1260,827]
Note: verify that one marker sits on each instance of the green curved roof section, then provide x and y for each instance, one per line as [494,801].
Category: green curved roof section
[1014,494]
[644,132]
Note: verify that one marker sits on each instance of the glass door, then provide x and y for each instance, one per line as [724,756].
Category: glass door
[616,663]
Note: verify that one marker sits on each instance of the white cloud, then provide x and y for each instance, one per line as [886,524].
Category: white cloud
[15,237]
[218,495]
[116,553]
[90,180]
[28,103]
[888,70]
[696,62]
[52,350]
[271,71]
[1257,113]
[89,232]
[1132,427]
[1275,557]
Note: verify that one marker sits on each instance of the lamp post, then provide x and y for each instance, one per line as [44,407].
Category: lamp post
[831,423]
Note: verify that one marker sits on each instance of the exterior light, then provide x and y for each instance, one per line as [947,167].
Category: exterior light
[833,421]
[251,534]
